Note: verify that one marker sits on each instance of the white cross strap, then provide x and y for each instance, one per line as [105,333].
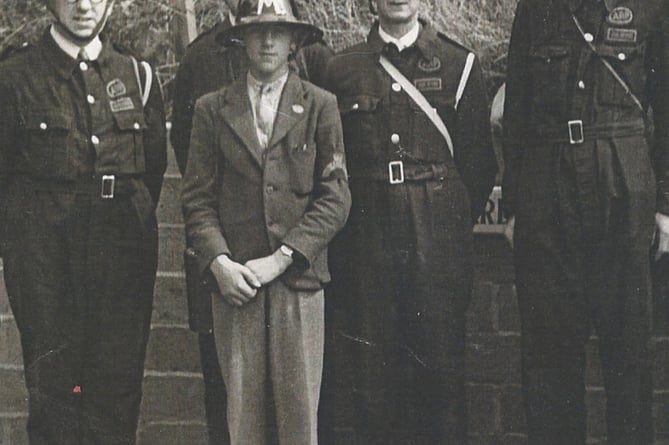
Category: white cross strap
[419,99]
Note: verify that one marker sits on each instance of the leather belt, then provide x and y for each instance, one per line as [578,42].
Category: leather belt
[106,186]
[398,172]
[575,132]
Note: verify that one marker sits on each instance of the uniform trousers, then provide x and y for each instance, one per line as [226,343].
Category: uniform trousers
[410,281]
[586,265]
[80,272]
[271,357]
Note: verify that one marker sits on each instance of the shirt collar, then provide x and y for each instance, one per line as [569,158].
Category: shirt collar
[276,85]
[405,41]
[231,18]
[93,48]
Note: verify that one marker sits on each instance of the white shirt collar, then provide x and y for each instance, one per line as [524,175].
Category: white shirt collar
[93,49]
[232,18]
[405,41]
[275,85]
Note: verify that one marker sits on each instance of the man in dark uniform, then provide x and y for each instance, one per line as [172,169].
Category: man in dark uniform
[403,262]
[586,186]
[82,155]
[209,64]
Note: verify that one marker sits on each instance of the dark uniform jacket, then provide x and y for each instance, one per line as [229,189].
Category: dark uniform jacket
[245,202]
[555,78]
[45,136]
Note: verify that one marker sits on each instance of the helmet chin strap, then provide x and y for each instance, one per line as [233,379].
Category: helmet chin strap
[81,41]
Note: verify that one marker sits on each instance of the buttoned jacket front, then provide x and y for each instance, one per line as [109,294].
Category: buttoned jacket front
[245,202]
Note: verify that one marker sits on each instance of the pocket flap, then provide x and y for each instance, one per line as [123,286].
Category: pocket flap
[621,53]
[548,52]
[130,121]
[348,104]
[48,119]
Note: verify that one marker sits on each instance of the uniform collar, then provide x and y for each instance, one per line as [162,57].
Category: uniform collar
[61,61]
[427,41]
[405,41]
[93,48]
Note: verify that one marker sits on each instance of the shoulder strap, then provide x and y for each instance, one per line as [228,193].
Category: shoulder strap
[464,78]
[606,63]
[145,88]
[419,99]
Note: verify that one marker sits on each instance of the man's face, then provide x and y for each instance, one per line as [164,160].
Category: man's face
[80,17]
[398,11]
[268,48]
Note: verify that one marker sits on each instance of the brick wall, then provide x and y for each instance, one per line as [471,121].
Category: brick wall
[172,408]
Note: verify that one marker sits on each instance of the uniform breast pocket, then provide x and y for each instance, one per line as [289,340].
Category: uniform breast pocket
[628,63]
[359,115]
[427,143]
[549,65]
[130,146]
[48,141]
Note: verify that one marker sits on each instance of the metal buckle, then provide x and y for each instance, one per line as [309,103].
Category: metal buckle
[575,132]
[396,172]
[107,186]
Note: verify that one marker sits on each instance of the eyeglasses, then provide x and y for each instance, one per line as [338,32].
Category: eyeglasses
[95,2]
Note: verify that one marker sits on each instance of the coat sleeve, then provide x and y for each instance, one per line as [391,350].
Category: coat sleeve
[182,111]
[199,195]
[658,70]
[329,208]
[516,106]
[155,141]
[474,154]
[9,118]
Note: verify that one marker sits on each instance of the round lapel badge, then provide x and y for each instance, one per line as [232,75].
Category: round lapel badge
[297,108]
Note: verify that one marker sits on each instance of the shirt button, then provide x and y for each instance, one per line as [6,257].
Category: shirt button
[581,85]
[90,99]
[396,87]
[395,138]
[588,37]
[136,126]
[622,56]
[95,140]
[83,66]
[42,125]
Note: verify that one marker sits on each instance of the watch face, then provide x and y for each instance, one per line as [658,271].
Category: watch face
[286,250]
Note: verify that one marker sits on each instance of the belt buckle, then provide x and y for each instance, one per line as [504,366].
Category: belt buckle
[575,132]
[107,186]
[396,172]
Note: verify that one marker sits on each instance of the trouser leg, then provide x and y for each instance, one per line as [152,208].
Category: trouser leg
[296,361]
[241,344]
[48,313]
[120,267]
[621,305]
[555,327]
[215,396]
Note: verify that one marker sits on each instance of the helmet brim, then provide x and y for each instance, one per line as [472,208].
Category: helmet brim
[306,32]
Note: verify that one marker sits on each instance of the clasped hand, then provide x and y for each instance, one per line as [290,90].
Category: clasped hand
[239,283]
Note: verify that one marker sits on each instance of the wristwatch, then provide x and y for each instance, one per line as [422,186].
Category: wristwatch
[286,251]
